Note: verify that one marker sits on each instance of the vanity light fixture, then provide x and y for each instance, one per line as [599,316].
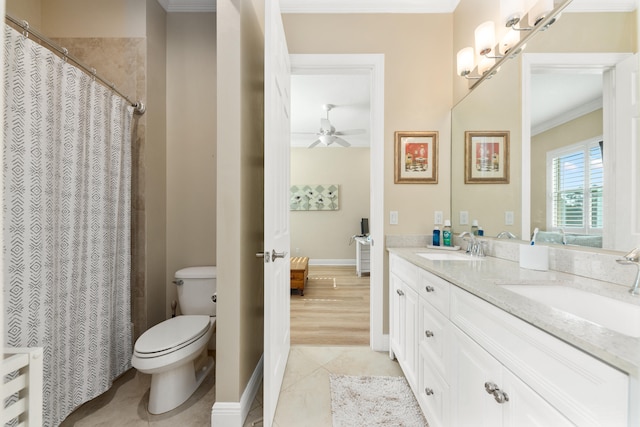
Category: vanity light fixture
[540,10]
[541,15]
[465,62]
[485,36]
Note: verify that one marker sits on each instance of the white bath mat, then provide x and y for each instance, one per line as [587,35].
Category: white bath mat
[373,401]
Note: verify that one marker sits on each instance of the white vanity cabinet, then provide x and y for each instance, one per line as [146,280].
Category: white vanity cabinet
[473,364]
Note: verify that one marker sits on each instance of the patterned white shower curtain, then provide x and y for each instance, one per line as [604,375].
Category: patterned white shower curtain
[66,206]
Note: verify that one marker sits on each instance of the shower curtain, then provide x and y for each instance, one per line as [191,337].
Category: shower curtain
[66,207]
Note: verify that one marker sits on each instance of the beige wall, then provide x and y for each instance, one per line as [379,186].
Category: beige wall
[28,10]
[581,129]
[155,164]
[239,221]
[324,235]
[418,81]
[191,143]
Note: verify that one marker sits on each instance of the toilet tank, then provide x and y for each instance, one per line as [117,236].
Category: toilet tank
[196,287]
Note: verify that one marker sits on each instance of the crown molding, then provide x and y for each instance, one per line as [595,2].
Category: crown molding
[368,6]
[561,119]
[387,6]
[602,6]
[188,5]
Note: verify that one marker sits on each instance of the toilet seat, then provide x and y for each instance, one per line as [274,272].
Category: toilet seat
[171,335]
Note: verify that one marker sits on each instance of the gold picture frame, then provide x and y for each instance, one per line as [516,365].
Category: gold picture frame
[486,157]
[416,157]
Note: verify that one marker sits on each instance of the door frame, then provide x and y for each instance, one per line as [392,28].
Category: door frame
[372,65]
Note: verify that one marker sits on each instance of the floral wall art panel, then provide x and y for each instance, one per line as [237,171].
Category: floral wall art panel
[314,197]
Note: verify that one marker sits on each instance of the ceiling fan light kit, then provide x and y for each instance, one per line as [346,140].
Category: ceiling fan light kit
[327,134]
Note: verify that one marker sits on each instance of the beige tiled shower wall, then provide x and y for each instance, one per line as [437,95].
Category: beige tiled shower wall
[123,62]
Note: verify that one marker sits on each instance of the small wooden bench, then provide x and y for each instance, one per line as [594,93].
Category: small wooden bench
[299,272]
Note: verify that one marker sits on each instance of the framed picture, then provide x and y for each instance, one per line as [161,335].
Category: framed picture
[486,157]
[416,157]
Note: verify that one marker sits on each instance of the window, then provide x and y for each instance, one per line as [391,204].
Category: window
[575,184]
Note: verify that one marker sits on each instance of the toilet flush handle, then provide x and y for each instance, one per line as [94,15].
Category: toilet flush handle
[178,282]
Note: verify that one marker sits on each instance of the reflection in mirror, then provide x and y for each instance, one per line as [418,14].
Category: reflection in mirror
[566,156]
[504,103]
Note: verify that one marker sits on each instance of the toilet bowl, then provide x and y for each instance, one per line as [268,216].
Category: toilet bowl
[170,350]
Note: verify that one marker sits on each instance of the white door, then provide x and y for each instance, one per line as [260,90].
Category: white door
[276,207]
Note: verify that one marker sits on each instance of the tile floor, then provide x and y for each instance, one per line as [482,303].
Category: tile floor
[304,399]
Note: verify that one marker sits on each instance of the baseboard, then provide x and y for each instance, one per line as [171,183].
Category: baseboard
[336,262]
[233,414]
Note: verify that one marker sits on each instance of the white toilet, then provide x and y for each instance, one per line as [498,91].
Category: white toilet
[168,351]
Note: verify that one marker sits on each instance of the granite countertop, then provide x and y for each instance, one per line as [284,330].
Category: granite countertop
[482,277]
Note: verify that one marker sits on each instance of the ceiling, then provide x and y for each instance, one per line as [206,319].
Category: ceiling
[557,97]
[350,94]
[384,6]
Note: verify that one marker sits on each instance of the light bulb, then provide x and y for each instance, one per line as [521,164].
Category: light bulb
[464,61]
[485,35]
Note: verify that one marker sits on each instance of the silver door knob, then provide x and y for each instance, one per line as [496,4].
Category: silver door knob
[275,254]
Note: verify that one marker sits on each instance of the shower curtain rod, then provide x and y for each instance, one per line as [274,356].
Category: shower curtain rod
[139,107]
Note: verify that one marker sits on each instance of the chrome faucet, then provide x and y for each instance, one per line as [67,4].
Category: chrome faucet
[633,257]
[506,235]
[474,246]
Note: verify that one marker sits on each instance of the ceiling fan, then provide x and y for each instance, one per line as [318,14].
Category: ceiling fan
[327,134]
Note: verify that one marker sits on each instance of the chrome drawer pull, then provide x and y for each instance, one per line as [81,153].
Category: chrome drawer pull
[428,391]
[429,334]
[429,289]
[399,292]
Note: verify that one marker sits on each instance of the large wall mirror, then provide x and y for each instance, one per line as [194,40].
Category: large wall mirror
[566,104]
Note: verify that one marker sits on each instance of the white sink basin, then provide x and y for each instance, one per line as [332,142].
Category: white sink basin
[610,313]
[448,256]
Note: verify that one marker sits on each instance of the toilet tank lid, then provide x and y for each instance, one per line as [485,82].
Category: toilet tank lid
[206,272]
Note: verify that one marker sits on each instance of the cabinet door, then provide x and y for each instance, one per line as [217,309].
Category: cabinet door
[410,336]
[396,316]
[472,367]
[526,408]
[433,392]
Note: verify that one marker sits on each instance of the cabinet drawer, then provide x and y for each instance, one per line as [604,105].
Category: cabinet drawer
[435,291]
[433,394]
[404,270]
[584,389]
[433,333]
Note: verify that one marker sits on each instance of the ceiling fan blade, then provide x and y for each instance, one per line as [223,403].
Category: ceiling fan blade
[314,143]
[342,142]
[350,132]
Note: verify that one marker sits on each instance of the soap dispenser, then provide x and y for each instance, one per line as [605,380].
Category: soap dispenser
[436,236]
[446,234]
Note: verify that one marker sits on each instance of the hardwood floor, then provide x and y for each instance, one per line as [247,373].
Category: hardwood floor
[334,309]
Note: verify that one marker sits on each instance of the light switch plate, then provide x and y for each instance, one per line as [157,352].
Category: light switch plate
[508,218]
[437,218]
[464,218]
[393,217]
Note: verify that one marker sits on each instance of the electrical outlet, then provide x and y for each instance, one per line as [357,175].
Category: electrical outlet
[508,218]
[464,218]
[393,217]
[437,218]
